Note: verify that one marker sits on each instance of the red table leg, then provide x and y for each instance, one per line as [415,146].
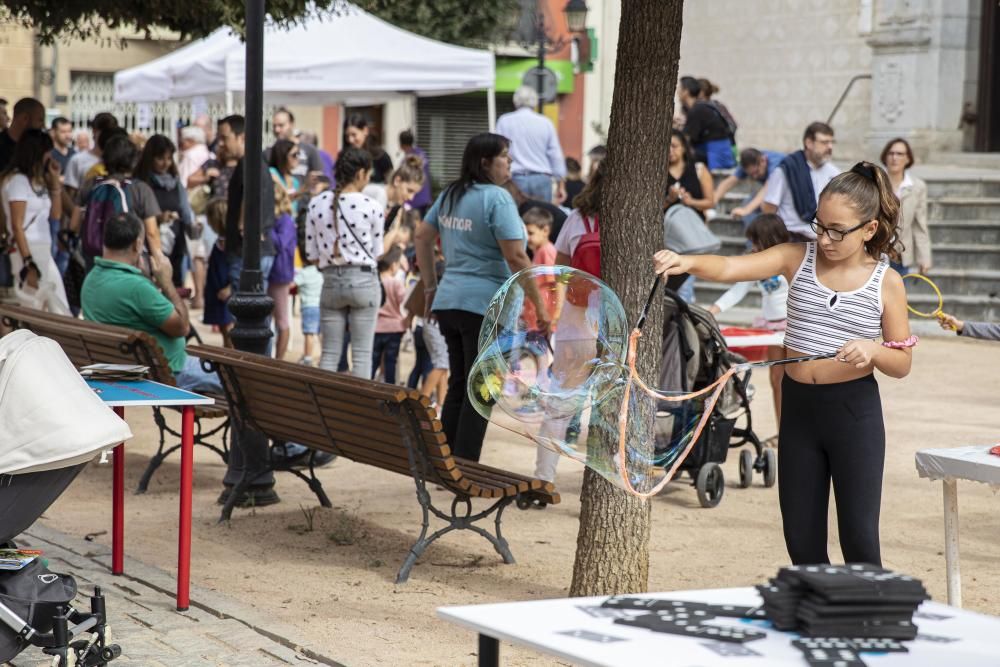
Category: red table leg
[184,538]
[118,505]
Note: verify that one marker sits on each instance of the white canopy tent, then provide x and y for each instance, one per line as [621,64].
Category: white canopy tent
[350,58]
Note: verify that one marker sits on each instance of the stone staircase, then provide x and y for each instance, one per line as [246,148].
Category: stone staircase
[964,219]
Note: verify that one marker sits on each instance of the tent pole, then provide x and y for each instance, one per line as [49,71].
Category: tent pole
[491,107]
[229,103]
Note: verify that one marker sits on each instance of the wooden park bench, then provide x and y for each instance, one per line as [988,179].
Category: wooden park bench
[382,425]
[86,343]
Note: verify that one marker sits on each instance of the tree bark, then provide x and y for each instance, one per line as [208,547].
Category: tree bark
[612,554]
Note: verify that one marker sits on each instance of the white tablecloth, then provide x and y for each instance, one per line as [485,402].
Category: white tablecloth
[577,630]
[974,463]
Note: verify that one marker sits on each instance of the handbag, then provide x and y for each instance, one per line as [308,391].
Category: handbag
[686,233]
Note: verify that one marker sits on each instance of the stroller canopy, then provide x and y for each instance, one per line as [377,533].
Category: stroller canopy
[49,417]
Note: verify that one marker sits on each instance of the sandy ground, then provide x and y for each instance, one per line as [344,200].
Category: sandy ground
[339,575]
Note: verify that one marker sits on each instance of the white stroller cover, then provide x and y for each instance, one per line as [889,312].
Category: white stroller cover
[49,417]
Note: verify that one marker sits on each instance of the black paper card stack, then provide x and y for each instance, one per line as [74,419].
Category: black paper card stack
[856,600]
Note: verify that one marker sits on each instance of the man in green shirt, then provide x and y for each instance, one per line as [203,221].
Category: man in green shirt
[116,292]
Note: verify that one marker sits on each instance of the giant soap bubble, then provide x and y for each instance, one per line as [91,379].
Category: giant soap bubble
[556,356]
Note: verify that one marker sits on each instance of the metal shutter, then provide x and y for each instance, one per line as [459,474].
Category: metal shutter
[445,125]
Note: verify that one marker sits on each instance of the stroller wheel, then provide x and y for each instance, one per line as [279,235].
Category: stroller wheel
[746,469]
[770,467]
[711,484]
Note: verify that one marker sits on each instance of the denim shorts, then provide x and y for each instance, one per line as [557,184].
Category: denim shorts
[310,319]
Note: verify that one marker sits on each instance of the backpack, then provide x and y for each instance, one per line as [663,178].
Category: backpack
[108,198]
[586,257]
[727,117]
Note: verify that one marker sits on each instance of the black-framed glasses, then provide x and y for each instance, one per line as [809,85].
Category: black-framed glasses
[835,234]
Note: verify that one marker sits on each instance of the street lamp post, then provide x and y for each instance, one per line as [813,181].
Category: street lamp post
[248,455]
[576,20]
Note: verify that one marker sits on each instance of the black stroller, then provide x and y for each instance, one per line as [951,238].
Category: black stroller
[694,354]
[42,450]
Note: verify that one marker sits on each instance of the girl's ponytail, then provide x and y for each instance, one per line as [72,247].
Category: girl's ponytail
[869,190]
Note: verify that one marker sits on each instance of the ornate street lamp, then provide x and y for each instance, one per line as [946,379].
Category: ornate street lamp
[576,15]
[576,20]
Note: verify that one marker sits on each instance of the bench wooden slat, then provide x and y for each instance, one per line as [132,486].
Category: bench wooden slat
[283,399]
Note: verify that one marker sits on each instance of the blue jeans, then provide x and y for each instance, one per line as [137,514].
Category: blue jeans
[686,290]
[718,154]
[534,185]
[195,378]
[350,296]
[386,349]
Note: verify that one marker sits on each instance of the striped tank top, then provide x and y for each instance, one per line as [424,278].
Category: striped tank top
[821,320]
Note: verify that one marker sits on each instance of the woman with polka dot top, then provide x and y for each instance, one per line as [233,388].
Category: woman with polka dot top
[344,237]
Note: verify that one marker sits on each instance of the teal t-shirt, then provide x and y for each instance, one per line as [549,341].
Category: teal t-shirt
[474,266]
[119,294]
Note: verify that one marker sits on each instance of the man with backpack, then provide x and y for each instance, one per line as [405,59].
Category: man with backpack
[101,199]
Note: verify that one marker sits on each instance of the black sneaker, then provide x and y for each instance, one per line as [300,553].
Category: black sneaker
[255,496]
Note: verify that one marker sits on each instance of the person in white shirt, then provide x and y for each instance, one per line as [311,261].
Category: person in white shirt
[534,148]
[788,192]
[83,161]
[32,195]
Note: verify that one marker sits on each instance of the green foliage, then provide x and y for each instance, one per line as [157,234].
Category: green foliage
[469,22]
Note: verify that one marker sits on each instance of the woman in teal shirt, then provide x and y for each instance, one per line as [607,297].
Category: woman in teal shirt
[483,240]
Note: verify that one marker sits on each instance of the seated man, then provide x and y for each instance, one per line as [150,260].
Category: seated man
[116,292]
[757,166]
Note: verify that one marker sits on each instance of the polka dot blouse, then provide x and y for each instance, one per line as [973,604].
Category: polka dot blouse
[329,227]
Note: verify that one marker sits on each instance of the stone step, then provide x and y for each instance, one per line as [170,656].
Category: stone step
[964,208]
[964,231]
[967,255]
[981,187]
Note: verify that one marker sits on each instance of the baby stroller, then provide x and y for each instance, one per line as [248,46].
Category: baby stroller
[51,425]
[694,355]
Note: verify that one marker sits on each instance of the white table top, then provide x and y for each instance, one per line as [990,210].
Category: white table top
[947,637]
[973,463]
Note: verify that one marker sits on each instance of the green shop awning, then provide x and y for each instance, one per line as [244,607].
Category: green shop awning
[510,73]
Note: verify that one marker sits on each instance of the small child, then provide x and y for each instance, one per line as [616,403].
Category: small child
[436,383]
[389,326]
[218,287]
[309,282]
[538,223]
[765,231]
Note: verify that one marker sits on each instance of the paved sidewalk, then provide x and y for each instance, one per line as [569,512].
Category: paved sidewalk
[216,631]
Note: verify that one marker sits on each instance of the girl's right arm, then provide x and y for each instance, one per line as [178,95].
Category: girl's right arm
[780,259]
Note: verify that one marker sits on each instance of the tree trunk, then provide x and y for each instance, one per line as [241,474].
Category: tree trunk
[612,552]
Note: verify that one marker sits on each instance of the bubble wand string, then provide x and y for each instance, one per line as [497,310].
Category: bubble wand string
[715,387]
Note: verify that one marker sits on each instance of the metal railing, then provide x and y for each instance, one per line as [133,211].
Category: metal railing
[843,96]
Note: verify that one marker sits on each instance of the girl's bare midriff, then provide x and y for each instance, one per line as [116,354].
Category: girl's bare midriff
[824,371]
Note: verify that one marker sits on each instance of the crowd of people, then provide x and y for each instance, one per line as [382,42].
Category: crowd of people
[372,258]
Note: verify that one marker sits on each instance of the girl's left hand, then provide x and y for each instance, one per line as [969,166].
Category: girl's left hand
[860,353]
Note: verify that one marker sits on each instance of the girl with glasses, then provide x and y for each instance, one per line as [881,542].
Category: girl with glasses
[842,299]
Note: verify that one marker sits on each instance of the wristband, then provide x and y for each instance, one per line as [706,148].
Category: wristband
[901,344]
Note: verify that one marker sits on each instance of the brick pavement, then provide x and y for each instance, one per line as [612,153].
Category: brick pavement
[215,632]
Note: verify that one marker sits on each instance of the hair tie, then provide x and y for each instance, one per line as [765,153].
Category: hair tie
[901,344]
[864,169]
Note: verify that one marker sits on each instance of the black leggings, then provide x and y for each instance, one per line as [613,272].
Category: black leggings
[831,431]
[463,426]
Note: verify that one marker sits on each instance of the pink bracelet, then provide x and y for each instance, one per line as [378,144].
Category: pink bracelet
[900,344]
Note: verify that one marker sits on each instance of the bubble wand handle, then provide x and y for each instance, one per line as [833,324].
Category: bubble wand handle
[649,304]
